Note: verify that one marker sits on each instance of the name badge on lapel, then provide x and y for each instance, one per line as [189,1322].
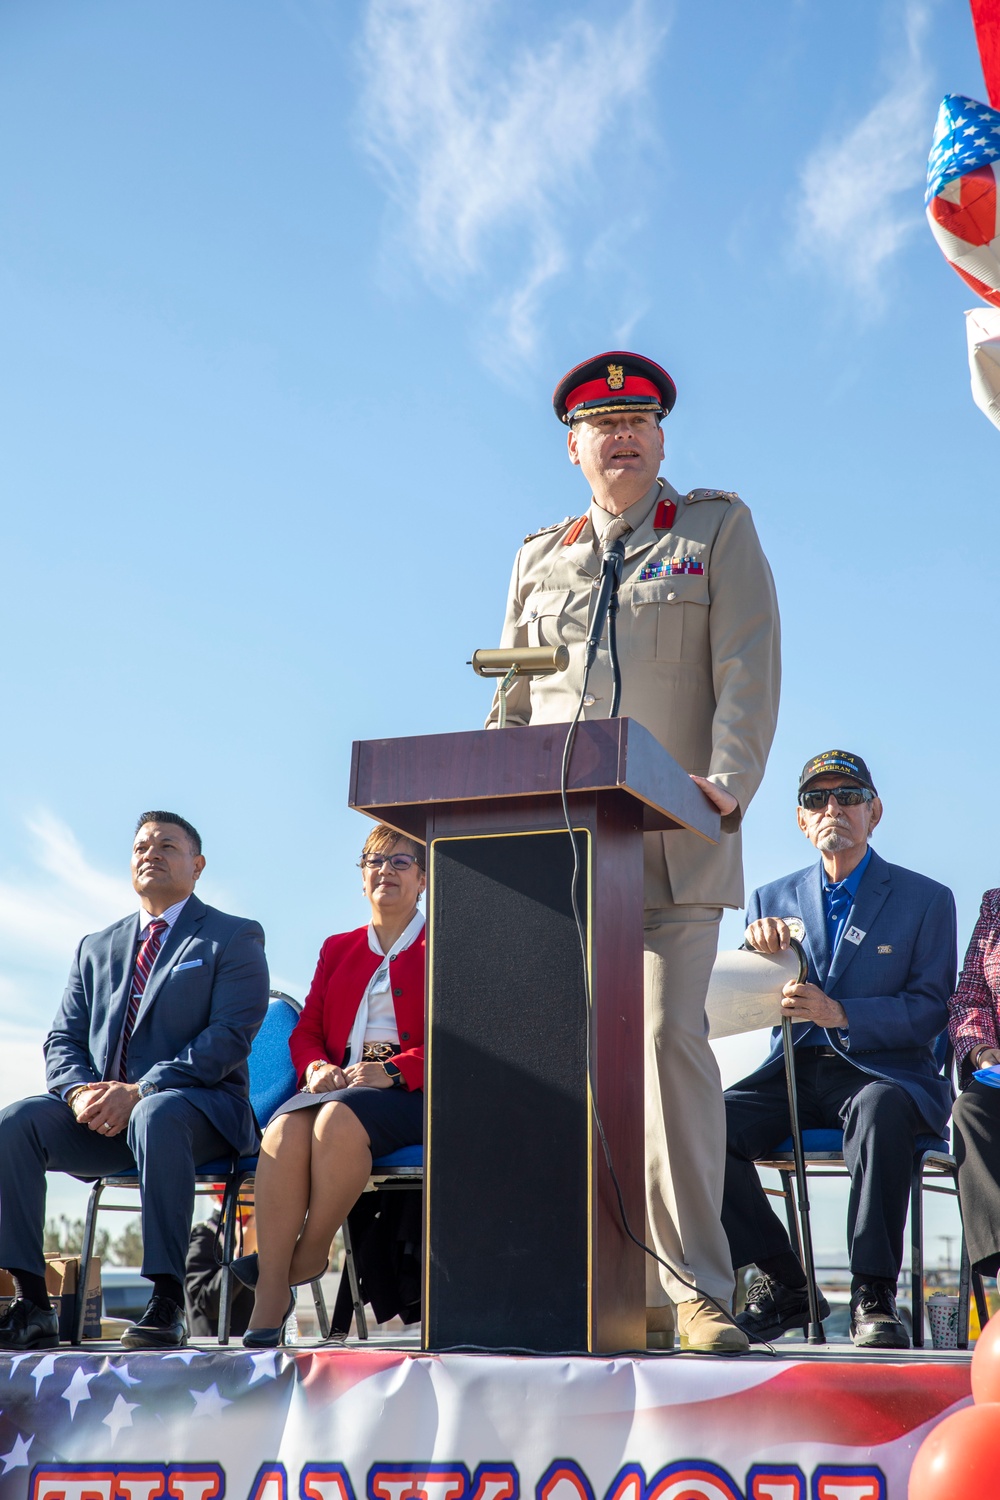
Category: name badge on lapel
[853,935]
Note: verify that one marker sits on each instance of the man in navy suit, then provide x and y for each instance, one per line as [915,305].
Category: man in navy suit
[146,1065]
[881,946]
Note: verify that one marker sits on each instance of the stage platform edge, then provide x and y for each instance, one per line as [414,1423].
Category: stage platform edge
[384,1423]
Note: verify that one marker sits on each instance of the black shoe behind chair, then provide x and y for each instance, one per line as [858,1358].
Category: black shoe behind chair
[161,1326]
[875,1322]
[773,1309]
[25,1326]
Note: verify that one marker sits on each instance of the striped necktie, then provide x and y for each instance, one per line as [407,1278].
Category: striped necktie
[148,949]
[619,527]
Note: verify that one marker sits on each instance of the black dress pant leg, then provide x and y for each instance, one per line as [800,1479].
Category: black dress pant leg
[976,1122]
[757,1120]
[40,1135]
[881,1125]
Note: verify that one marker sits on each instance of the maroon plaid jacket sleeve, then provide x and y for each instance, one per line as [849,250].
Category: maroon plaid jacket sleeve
[972,1010]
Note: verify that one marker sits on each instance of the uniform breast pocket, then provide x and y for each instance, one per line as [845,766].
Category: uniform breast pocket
[668,618]
[545,617]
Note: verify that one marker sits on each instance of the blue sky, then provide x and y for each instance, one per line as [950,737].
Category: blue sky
[285,289]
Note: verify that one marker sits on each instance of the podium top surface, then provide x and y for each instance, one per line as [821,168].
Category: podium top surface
[399,780]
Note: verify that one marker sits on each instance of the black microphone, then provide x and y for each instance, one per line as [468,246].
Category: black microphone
[611,576]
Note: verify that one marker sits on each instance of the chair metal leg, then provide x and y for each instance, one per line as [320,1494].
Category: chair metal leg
[917,1252]
[352,1274]
[982,1306]
[86,1254]
[230,1215]
[791,1216]
[319,1302]
[964,1279]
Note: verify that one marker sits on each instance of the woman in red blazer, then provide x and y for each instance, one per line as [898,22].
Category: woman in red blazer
[358,1049]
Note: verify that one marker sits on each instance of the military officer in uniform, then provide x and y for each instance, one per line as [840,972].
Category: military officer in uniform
[698,642]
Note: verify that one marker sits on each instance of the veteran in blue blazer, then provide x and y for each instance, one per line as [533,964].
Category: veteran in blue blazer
[146,1066]
[880,942]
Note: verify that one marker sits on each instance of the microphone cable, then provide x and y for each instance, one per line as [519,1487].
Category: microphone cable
[588,1004]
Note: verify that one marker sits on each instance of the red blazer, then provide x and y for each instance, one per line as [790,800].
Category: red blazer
[346,964]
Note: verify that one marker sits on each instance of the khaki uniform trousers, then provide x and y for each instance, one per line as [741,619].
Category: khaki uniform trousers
[685,1114]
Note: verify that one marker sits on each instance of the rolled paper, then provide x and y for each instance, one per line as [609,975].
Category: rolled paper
[744,993]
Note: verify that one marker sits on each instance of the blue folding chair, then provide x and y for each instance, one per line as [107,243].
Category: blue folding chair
[272,1081]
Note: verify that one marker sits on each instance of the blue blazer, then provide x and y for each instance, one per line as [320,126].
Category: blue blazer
[204,1001]
[894,984]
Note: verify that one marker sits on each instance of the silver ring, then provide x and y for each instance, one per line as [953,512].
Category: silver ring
[105,1126]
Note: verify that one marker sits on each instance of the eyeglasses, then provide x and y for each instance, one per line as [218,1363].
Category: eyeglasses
[847,796]
[395,861]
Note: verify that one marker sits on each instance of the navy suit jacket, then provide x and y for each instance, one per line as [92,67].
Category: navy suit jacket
[204,1001]
[894,984]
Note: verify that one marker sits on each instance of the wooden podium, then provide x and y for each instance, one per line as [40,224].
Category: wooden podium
[524,1244]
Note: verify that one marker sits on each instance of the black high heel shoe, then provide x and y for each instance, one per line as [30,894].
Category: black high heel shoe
[246,1269]
[268,1338]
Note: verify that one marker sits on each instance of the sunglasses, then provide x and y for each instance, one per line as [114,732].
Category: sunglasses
[847,796]
[394,861]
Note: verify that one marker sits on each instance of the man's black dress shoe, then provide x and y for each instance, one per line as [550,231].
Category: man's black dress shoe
[25,1326]
[875,1323]
[161,1326]
[773,1309]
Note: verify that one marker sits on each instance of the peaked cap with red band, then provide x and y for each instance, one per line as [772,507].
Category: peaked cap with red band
[616,381]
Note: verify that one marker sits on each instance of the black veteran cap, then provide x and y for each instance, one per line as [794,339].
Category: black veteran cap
[837,763]
[617,381]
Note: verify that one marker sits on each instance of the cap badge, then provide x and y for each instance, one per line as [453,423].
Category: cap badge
[616,377]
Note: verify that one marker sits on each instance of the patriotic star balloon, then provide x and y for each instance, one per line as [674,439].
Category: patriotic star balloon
[962,199]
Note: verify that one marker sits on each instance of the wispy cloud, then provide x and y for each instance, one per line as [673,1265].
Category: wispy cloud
[859,203]
[485,154]
[45,912]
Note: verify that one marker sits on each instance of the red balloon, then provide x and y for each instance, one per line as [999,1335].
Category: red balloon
[986,1363]
[960,1458]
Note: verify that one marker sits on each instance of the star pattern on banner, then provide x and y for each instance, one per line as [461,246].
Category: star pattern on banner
[122,1371]
[78,1389]
[263,1366]
[119,1416]
[209,1403]
[44,1368]
[17,1458]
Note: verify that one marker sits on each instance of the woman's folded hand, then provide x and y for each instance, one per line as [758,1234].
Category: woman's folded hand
[323,1080]
[371,1074]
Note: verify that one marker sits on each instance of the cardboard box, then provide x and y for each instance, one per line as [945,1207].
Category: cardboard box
[62,1274]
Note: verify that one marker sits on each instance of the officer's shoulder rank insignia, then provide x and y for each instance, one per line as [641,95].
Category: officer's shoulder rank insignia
[666,514]
[693,496]
[545,530]
[616,377]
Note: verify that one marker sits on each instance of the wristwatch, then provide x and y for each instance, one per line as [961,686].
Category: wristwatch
[398,1081]
[146,1088]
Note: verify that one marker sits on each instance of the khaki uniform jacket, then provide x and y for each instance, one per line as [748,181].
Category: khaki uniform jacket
[699,652]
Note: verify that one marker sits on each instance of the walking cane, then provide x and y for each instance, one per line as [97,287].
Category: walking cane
[814,1332]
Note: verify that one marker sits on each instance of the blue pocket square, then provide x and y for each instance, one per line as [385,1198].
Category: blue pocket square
[192,963]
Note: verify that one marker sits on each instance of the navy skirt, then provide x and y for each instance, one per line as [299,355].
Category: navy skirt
[391,1117]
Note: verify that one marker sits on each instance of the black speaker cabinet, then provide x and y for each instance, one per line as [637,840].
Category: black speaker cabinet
[508,1118]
